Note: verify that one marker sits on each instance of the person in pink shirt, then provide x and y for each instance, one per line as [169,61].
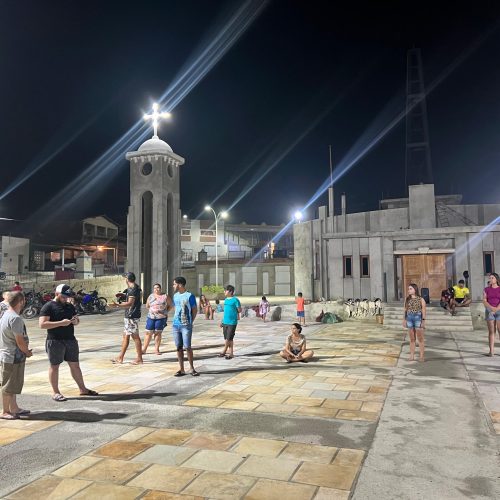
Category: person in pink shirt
[491,301]
[263,308]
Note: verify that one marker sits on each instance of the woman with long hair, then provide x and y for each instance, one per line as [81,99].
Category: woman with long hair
[206,307]
[295,346]
[414,320]
[491,301]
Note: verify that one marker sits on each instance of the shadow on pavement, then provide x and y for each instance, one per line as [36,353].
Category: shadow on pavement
[123,397]
[76,416]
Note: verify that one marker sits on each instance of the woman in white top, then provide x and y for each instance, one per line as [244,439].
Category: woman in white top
[295,347]
[158,305]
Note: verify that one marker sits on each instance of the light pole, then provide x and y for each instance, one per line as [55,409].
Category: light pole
[220,215]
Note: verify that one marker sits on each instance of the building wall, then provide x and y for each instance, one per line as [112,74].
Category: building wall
[384,234]
[248,280]
[14,255]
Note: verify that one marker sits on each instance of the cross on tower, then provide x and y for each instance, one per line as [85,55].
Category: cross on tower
[155,118]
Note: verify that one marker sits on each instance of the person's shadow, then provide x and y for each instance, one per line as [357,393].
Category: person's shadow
[75,416]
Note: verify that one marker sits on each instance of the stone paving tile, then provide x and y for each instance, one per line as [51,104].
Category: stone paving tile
[309,452]
[165,478]
[109,491]
[115,471]
[50,487]
[220,486]
[212,441]
[167,436]
[266,489]
[214,460]
[260,447]
[8,436]
[79,465]
[331,494]
[269,468]
[331,476]
[165,454]
[121,449]
[163,495]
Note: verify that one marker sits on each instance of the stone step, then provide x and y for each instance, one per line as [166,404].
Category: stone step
[434,317]
[449,328]
[398,321]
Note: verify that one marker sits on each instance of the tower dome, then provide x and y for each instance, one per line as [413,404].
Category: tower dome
[155,145]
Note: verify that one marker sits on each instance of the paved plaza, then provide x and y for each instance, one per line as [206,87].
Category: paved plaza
[359,421]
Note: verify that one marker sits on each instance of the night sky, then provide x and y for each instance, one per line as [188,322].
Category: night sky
[76,75]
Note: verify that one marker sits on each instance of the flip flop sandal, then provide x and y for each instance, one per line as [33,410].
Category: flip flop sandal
[229,357]
[194,373]
[220,355]
[89,393]
[59,398]
[23,412]
[9,417]
[179,374]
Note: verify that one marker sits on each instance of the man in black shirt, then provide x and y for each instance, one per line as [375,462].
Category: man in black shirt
[59,318]
[132,315]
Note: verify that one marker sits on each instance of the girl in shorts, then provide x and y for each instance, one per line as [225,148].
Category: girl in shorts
[158,305]
[295,347]
[491,301]
[414,320]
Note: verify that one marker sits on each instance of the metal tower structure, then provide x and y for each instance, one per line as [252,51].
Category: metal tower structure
[418,168]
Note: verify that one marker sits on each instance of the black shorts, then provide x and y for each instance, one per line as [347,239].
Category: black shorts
[229,331]
[62,350]
[459,301]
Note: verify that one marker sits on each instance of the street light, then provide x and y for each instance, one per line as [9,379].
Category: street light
[298,215]
[221,215]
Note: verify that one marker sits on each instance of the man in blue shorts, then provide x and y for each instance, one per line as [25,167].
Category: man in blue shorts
[182,324]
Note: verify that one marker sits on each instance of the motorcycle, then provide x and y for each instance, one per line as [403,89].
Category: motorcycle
[35,302]
[90,303]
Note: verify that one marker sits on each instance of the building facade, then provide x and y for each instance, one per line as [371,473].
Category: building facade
[424,239]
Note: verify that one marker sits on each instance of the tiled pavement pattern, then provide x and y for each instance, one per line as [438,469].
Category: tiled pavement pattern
[167,463]
[323,393]
[346,383]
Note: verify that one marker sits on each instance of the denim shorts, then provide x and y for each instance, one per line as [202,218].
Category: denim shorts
[182,336]
[491,316]
[300,314]
[156,325]
[414,320]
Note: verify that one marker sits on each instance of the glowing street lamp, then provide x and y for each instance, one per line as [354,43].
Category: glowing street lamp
[221,215]
[298,215]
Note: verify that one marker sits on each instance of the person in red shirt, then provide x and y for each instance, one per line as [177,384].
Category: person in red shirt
[301,315]
[17,287]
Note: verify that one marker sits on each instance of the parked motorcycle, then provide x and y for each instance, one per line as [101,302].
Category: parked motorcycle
[35,302]
[89,303]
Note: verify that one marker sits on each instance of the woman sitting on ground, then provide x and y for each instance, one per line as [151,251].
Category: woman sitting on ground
[206,307]
[295,347]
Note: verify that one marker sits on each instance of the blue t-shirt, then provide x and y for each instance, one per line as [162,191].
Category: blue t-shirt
[184,303]
[231,305]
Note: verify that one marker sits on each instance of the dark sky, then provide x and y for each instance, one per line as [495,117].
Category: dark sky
[76,75]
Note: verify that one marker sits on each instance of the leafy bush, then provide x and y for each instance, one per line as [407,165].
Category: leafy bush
[212,289]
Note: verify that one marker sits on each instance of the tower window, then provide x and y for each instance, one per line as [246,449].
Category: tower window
[146,169]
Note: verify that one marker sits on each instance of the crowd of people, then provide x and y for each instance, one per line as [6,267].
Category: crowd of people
[59,318]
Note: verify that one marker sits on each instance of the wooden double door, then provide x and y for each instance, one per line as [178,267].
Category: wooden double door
[425,270]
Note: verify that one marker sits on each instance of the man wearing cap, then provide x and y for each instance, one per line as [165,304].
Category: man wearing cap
[59,318]
[132,316]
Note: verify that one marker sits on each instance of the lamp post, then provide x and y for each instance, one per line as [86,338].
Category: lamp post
[220,215]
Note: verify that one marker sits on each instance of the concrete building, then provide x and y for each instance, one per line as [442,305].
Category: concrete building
[427,239]
[154,219]
[235,241]
[14,254]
